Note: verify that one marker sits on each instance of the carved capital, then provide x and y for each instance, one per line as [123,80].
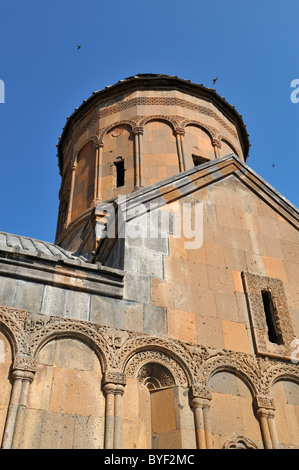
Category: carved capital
[262,402]
[138,130]
[112,377]
[201,391]
[179,131]
[24,363]
[216,143]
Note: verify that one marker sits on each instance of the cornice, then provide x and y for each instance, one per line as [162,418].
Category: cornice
[154,82]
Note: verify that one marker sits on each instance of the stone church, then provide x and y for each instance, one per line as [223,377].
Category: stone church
[166,314]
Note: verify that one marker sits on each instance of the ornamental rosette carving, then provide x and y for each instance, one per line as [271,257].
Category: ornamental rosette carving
[239,442]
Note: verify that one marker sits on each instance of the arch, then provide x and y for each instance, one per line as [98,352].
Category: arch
[65,396]
[278,372]
[160,152]
[159,385]
[285,395]
[6,361]
[12,340]
[154,376]
[232,407]
[150,356]
[84,333]
[238,373]
[230,146]
[129,122]
[93,138]
[198,142]
[14,328]
[165,352]
[243,366]
[207,129]
[84,181]
[159,117]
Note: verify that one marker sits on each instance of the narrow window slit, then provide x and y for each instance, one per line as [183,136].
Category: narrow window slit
[269,309]
[120,173]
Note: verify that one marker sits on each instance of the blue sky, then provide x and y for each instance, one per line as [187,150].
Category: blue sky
[251,46]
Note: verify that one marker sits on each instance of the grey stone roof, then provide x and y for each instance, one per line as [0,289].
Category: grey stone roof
[29,246]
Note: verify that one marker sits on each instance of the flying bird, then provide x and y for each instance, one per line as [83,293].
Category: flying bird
[78,47]
[215,80]
[273,165]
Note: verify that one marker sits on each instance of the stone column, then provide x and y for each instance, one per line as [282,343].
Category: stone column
[22,376]
[118,393]
[264,408]
[98,170]
[272,430]
[109,416]
[197,406]
[179,134]
[217,146]
[73,176]
[114,383]
[200,403]
[138,133]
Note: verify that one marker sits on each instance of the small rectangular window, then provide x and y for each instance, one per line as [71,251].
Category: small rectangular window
[120,173]
[269,309]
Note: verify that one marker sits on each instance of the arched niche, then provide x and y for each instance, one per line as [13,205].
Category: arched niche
[118,149]
[197,143]
[156,403]
[226,148]
[285,394]
[5,384]
[232,413]
[66,406]
[160,155]
[83,194]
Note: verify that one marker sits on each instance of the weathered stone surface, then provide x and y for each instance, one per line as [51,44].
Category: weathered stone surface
[144,341]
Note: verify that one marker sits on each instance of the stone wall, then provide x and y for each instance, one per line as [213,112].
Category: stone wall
[74,384]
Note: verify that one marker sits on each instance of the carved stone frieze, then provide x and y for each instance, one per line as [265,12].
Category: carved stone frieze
[116,338]
[138,365]
[106,111]
[155,376]
[239,442]
[124,352]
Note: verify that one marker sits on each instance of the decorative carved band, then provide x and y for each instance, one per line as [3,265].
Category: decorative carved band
[127,352]
[239,442]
